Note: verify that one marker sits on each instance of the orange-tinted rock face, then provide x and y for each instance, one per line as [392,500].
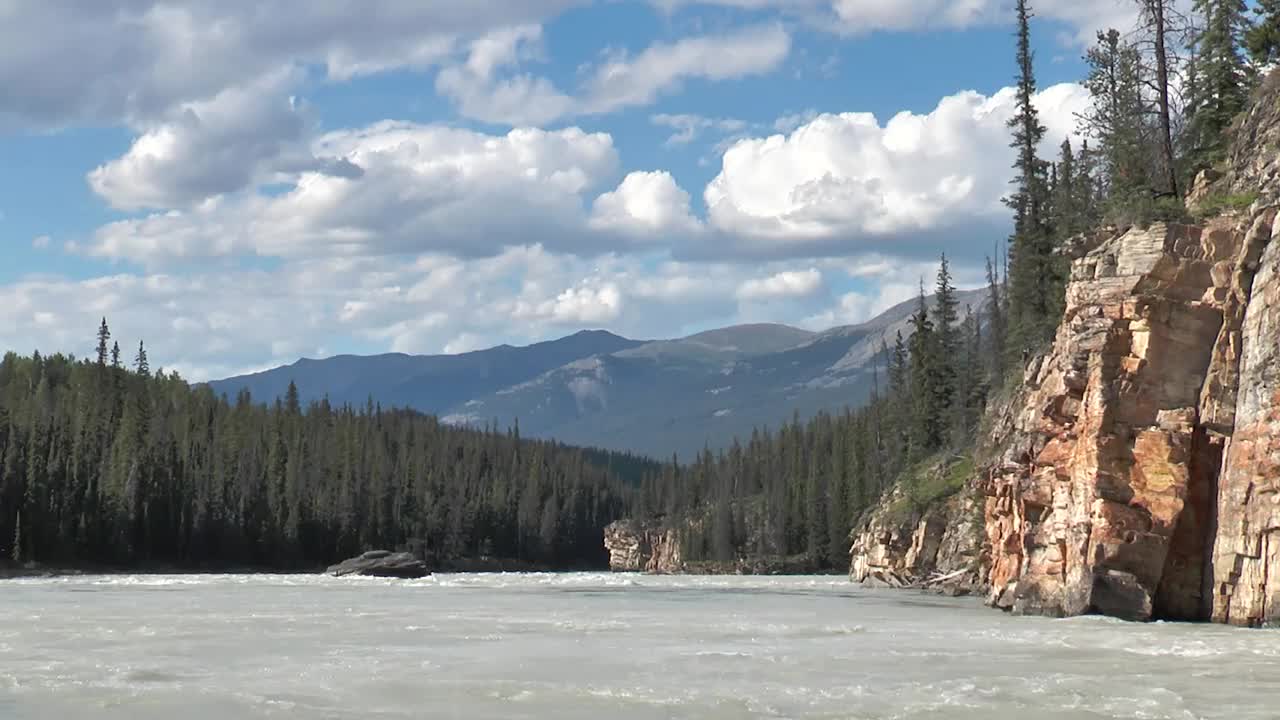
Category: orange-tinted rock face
[1104,498]
[1139,463]
[1246,557]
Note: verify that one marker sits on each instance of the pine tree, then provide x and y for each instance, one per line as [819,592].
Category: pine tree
[115,355]
[946,345]
[1087,186]
[926,432]
[140,364]
[1222,78]
[292,403]
[1116,119]
[1067,216]
[996,320]
[1030,254]
[1028,199]
[104,336]
[1263,39]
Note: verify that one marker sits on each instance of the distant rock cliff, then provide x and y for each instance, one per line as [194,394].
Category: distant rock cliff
[1136,471]
[643,547]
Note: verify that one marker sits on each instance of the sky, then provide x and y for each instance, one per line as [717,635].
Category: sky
[241,183]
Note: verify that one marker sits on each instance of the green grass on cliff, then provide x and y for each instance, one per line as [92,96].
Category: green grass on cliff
[929,482]
[1219,204]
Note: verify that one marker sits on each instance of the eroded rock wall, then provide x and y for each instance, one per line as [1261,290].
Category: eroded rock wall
[643,547]
[1136,470]
[899,547]
[1104,497]
[1246,556]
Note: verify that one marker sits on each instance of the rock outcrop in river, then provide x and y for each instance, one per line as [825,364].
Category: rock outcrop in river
[1137,469]
[382,563]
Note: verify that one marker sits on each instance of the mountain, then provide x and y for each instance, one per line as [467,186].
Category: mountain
[430,383]
[598,389]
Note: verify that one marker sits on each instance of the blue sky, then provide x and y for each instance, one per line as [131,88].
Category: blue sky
[244,185]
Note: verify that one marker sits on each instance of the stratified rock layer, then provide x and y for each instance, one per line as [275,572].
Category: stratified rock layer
[1246,556]
[1136,470]
[642,547]
[899,546]
[1103,499]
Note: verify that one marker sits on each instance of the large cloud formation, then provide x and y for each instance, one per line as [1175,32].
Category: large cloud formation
[849,180]
[248,233]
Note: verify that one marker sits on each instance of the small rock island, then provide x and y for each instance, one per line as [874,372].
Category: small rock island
[381,563]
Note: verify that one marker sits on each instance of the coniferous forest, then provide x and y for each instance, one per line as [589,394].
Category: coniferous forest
[103,461]
[115,466]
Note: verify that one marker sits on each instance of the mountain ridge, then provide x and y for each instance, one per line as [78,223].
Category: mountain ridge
[596,388]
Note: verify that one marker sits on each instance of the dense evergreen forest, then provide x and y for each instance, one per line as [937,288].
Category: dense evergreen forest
[1164,97]
[103,465]
[122,466]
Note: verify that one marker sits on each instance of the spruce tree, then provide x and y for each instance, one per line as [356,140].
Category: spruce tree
[1222,78]
[292,403]
[1031,245]
[1067,217]
[925,418]
[104,336]
[996,320]
[947,343]
[1087,186]
[1263,38]
[140,364]
[1116,120]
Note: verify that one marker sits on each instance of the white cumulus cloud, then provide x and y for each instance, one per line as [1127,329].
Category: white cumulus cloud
[620,81]
[851,181]
[647,204]
[786,284]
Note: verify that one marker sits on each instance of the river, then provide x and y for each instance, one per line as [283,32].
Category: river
[594,646]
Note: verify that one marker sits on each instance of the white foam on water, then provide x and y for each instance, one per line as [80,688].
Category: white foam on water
[590,645]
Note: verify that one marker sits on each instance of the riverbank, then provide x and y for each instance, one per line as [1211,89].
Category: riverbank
[13,571]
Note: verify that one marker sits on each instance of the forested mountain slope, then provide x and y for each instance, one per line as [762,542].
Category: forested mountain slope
[101,465]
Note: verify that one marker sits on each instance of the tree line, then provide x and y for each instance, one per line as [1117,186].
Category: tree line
[1164,96]
[106,465]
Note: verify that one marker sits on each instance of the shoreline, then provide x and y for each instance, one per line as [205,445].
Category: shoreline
[42,571]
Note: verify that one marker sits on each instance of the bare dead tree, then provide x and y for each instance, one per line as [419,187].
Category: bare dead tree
[1159,16]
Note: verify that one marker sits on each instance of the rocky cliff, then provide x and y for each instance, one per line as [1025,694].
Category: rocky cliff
[643,547]
[1138,465]
[899,545]
[1102,500]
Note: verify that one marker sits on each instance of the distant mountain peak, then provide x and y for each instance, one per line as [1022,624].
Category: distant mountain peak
[597,388]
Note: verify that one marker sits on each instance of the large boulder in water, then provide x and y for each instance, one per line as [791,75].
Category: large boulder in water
[382,563]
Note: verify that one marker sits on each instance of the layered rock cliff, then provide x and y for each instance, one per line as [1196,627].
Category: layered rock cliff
[1102,500]
[1138,465]
[1246,554]
[643,547]
[899,545]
